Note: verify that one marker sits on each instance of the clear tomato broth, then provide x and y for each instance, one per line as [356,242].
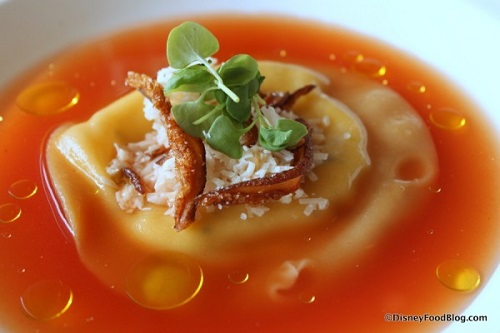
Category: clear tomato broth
[397,276]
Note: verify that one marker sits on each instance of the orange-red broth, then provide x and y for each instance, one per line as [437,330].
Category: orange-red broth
[397,276]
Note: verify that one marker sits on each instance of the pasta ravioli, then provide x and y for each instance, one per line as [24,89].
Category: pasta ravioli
[381,162]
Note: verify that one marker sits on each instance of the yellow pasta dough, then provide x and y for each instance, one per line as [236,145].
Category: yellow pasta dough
[381,159]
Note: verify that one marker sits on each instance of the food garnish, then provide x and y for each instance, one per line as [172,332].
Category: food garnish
[134,179]
[229,104]
[189,152]
[258,190]
[224,108]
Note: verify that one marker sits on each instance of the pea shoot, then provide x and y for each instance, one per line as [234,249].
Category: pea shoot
[229,104]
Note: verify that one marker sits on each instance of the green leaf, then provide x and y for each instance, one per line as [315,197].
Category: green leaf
[187,114]
[254,85]
[224,136]
[298,130]
[287,133]
[273,139]
[239,70]
[220,96]
[240,111]
[190,42]
[220,114]
[192,79]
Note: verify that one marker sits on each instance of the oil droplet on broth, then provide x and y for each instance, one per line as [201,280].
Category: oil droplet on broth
[47,299]
[458,275]
[435,189]
[164,281]
[6,235]
[238,277]
[353,57]
[448,119]
[368,66]
[417,87]
[307,298]
[23,189]
[47,98]
[9,212]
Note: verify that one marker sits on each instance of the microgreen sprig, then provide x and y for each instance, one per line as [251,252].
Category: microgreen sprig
[227,95]
[191,43]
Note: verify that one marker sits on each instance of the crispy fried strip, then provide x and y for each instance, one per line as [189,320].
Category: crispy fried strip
[159,152]
[286,100]
[160,155]
[259,190]
[189,152]
[134,179]
[189,156]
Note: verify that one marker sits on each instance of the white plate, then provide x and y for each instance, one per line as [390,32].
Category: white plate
[458,37]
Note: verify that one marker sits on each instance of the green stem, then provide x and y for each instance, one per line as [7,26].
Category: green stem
[220,83]
[263,121]
[209,114]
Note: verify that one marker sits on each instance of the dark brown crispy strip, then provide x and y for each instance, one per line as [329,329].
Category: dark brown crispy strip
[159,152]
[189,152]
[160,155]
[286,100]
[134,179]
[259,190]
